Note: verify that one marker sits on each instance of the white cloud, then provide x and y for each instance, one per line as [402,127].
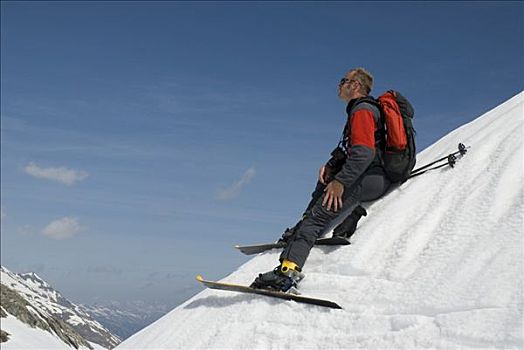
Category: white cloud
[63,175]
[235,189]
[62,228]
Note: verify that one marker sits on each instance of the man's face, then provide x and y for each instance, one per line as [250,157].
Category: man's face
[348,87]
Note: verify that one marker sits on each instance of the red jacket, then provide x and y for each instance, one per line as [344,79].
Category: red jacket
[361,140]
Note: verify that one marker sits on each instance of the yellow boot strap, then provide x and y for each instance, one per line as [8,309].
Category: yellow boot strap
[289,265]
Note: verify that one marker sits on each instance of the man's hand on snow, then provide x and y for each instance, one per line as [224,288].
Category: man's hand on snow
[333,195]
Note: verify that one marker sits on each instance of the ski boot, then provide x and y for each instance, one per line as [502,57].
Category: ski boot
[282,278]
[349,225]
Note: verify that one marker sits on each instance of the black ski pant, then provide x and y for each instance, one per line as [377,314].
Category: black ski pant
[317,218]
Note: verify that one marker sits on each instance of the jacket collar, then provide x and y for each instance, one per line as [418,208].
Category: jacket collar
[355,101]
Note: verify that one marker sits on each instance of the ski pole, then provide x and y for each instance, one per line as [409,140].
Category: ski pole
[462,149]
[452,159]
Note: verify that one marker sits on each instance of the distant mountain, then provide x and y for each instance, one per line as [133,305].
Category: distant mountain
[125,319]
[34,302]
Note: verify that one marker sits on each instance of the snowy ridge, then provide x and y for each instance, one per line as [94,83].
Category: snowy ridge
[44,300]
[437,263]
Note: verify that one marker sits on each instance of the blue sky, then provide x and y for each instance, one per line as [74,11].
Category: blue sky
[141,140]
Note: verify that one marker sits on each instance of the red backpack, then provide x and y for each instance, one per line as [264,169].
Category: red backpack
[399,153]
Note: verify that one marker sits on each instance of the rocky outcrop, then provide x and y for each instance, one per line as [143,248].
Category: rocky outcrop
[14,304]
[47,301]
[4,336]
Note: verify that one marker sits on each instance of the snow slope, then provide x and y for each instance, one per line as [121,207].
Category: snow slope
[444,272]
[27,337]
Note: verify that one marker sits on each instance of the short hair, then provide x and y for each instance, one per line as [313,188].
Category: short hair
[364,78]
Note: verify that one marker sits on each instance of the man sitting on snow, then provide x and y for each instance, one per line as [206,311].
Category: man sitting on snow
[353,174]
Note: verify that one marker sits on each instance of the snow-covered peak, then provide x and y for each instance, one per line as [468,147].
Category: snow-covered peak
[34,279]
[50,304]
[437,263]
[34,288]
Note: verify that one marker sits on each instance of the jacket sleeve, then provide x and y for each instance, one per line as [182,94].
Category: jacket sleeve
[361,148]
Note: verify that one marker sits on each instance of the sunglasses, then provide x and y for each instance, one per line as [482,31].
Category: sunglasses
[346,80]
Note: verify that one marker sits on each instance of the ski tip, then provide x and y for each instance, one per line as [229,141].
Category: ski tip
[336,306]
[199,278]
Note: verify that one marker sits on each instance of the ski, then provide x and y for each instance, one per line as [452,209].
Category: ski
[260,248]
[270,293]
